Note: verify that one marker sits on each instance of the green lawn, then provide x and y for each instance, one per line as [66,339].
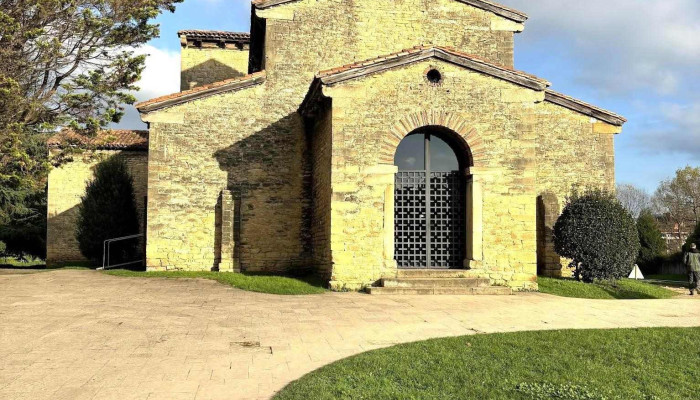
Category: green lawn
[624,364]
[250,282]
[622,289]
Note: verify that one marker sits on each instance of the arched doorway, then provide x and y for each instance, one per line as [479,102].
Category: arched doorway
[430,201]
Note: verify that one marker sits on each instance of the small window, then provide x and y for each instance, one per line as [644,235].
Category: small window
[434,76]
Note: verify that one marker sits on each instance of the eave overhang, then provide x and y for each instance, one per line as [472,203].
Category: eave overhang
[225,86]
[584,108]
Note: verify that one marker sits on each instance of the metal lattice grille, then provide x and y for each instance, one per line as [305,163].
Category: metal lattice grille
[410,219]
[447,219]
[446,236]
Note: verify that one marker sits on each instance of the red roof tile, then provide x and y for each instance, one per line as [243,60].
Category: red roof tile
[201,91]
[110,139]
[386,59]
[196,34]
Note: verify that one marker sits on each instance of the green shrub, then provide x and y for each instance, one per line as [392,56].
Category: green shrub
[598,235]
[652,244]
[108,210]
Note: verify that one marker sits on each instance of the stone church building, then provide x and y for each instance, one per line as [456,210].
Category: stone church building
[363,140]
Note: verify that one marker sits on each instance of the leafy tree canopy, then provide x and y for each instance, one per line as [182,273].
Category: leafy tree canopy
[62,63]
[679,197]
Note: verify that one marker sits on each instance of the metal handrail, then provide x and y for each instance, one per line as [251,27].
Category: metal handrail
[106,248]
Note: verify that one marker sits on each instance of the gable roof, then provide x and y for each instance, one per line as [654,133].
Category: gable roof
[109,139]
[228,85]
[486,5]
[448,54]
[419,53]
[584,108]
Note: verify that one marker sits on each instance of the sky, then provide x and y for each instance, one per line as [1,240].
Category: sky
[638,58]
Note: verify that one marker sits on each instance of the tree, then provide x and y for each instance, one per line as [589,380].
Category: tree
[108,209]
[62,63]
[633,198]
[598,235]
[679,198]
[652,243]
[23,167]
[693,238]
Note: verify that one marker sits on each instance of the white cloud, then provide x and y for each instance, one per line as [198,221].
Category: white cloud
[160,77]
[621,45]
[672,128]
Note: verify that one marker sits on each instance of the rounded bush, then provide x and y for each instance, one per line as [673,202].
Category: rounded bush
[107,211]
[598,235]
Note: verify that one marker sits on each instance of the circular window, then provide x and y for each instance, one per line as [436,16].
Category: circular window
[434,76]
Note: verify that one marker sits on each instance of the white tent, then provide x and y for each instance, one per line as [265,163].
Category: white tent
[636,273]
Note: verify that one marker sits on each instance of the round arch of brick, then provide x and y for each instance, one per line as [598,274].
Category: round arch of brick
[467,136]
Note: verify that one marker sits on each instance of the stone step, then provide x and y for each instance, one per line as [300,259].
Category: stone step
[491,290]
[435,282]
[433,273]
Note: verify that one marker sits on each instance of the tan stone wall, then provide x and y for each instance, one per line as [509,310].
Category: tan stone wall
[570,155]
[261,137]
[66,187]
[202,66]
[321,153]
[254,143]
[307,36]
[507,124]
[238,141]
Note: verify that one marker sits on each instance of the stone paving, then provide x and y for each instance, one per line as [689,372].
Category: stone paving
[85,335]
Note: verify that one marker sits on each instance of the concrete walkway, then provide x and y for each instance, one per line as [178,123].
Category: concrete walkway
[85,335]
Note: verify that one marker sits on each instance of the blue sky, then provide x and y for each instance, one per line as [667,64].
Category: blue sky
[638,58]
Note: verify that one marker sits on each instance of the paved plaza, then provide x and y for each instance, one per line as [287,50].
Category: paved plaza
[72,334]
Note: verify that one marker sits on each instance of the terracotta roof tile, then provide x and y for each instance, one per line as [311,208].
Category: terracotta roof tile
[418,49]
[195,34]
[111,139]
[336,75]
[234,82]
